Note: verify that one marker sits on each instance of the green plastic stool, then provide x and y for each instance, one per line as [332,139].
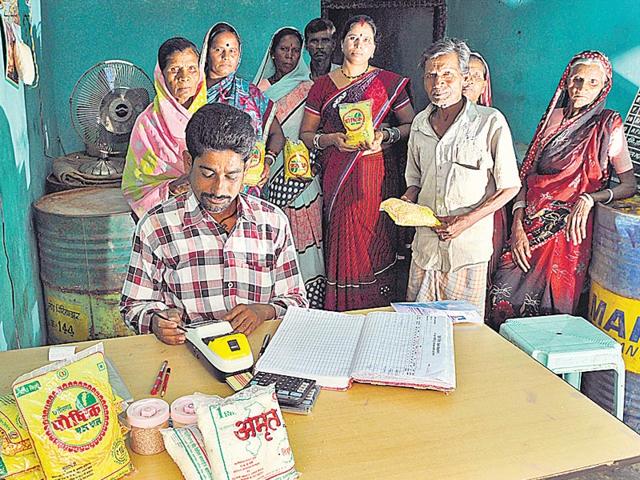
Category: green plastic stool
[568,346]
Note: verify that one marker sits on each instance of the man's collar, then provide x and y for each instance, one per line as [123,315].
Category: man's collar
[469,113]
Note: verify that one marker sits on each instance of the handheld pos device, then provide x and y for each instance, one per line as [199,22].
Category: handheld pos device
[224,352]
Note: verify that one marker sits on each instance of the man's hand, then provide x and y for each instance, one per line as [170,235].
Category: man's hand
[411,195]
[179,185]
[246,318]
[164,325]
[452,226]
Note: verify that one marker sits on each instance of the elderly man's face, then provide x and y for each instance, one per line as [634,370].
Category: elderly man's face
[584,84]
[216,178]
[181,74]
[443,80]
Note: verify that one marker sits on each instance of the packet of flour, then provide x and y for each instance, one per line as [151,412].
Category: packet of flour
[245,435]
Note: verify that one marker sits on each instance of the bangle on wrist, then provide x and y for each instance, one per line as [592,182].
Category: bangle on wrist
[394,134]
[518,205]
[610,196]
[588,198]
[269,158]
[316,141]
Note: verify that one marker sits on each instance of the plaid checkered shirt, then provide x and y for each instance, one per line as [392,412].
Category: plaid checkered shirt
[182,258]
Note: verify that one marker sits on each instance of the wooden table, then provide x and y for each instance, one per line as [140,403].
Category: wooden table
[509,418]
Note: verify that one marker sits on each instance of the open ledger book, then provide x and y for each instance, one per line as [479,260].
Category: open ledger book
[385,348]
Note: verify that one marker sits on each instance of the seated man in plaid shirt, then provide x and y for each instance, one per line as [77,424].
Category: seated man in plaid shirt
[212,253]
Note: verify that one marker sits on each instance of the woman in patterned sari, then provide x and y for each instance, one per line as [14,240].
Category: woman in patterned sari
[284,78]
[360,242]
[566,170]
[154,168]
[220,59]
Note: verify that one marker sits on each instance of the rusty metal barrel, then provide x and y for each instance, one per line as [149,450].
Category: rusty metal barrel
[614,300]
[84,242]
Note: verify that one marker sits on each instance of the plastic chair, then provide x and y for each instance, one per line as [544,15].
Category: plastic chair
[568,346]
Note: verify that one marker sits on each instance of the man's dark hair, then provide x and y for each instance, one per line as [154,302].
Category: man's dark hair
[283,32]
[319,25]
[173,45]
[220,127]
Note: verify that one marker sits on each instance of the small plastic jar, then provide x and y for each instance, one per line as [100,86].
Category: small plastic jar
[146,417]
[183,412]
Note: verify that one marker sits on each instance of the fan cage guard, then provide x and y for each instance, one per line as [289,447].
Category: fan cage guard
[116,79]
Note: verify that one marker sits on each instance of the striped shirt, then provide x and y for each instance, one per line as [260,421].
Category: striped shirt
[182,258]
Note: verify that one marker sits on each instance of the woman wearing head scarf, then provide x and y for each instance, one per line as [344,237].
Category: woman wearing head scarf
[154,167]
[283,76]
[478,87]
[361,244]
[220,59]
[566,170]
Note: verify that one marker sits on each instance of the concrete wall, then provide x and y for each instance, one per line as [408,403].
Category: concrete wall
[528,43]
[22,173]
[79,34]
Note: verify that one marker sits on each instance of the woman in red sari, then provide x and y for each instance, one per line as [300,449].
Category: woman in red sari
[360,242]
[566,170]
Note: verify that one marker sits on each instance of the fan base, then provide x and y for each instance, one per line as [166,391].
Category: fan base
[101,167]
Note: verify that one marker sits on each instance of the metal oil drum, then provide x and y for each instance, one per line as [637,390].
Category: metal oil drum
[614,300]
[84,242]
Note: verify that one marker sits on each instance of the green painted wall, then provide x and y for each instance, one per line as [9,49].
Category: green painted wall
[22,173]
[79,34]
[528,43]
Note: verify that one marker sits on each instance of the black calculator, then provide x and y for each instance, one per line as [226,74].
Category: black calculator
[289,390]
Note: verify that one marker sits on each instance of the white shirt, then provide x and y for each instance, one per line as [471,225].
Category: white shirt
[456,174]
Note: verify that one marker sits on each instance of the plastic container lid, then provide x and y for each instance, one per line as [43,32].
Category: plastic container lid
[148,413]
[183,411]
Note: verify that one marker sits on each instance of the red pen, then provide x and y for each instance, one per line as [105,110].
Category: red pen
[166,381]
[158,382]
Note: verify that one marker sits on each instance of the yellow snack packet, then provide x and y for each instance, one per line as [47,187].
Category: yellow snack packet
[358,121]
[255,165]
[70,411]
[33,474]
[14,437]
[13,465]
[296,161]
[406,214]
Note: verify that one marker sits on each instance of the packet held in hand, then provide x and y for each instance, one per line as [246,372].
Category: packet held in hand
[186,446]
[296,161]
[255,165]
[358,122]
[70,411]
[245,436]
[406,214]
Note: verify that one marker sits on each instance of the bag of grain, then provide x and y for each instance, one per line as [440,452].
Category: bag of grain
[70,412]
[245,435]
[186,447]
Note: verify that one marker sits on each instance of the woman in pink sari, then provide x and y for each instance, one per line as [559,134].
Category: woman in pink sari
[566,170]
[360,242]
[154,168]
